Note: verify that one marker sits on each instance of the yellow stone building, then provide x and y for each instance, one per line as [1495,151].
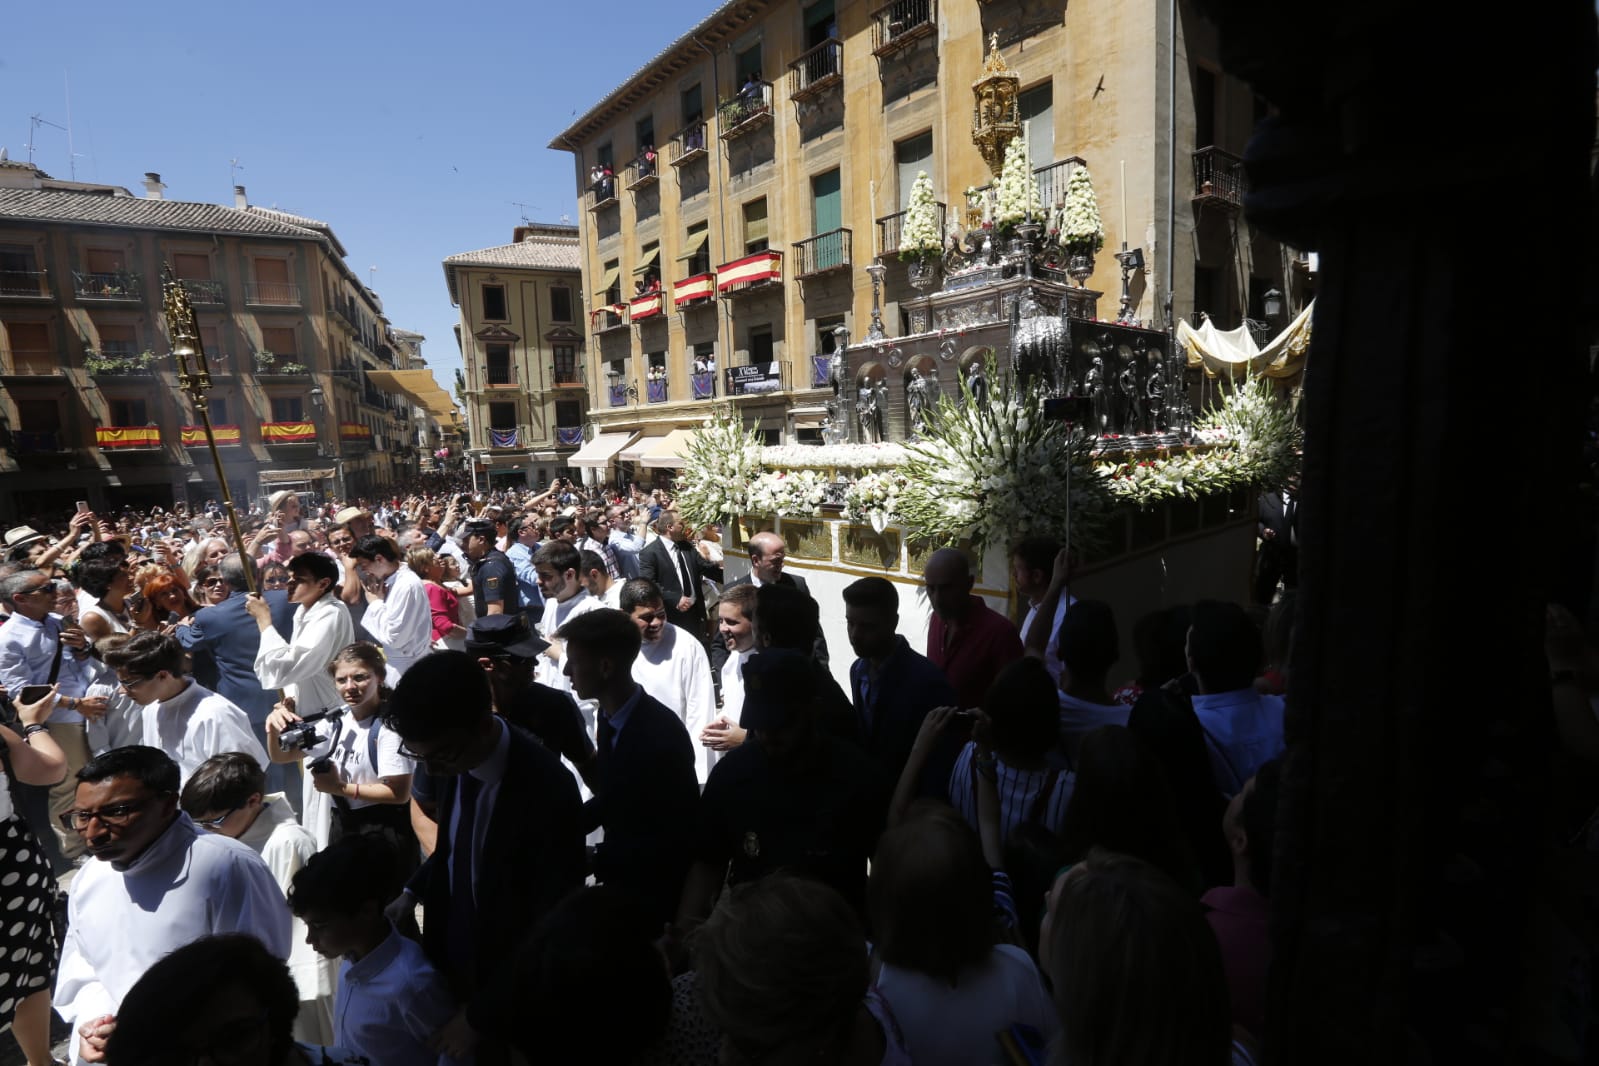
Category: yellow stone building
[521,338]
[89,407]
[734,189]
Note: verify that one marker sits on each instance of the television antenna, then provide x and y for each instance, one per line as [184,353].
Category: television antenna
[234,166]
[525,208]
[36,120]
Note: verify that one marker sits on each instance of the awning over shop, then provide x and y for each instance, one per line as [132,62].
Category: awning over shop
[599,451]
[666,451]
[274,477]
[419,385]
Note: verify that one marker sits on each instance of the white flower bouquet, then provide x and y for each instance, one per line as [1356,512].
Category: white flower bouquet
[1080,225]
[921,239]
[875,497]
[1018,188]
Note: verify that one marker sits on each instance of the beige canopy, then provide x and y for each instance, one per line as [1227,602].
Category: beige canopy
[1233,352]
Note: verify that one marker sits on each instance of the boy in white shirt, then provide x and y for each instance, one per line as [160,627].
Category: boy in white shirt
[391,1001]
[227,795]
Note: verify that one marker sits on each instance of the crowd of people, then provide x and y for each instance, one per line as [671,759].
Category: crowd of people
[522,777]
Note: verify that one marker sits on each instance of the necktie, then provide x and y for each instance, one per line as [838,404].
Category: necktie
[462,925]
[684,575]
[607,735]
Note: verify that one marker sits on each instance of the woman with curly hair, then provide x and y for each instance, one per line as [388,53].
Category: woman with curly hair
[169,598]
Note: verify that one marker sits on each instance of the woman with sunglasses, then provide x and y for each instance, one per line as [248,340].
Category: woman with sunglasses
[275,576]
[32,758]
[169,600]
[357,774]
[212,585]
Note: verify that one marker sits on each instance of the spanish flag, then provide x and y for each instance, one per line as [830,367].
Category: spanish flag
[127,436]
[762,266]
[194,436]
[288,432]
[698,287]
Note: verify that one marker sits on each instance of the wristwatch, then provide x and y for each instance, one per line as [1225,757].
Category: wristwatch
[29,730]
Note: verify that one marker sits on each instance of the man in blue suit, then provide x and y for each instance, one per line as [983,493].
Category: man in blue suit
[232,638]
[646,797]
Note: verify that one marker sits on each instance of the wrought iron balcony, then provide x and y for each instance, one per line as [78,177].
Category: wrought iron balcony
[108,285]
[602,193]
[642,171]
[822,254]
[1219,179]
[203,291]
[752,273]
[688,144]
[604,319]
[890,228]
[29,363]
[747,110]
[816,71]
[899,25]
[500,376]
[288,434]
[272,294]
[1052,180]
[568,374]
[24,285]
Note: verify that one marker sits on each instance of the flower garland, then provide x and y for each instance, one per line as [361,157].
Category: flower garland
[1080,223]
[989,472]
[1018,187]
[921,239]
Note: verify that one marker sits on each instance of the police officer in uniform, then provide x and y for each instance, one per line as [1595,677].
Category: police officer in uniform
[494,589]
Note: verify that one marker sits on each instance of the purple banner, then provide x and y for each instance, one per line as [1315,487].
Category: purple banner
[503,438]
[618,395]
[569,435]
[655,390]
[704,386]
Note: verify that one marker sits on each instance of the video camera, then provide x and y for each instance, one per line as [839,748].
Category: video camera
[307,733]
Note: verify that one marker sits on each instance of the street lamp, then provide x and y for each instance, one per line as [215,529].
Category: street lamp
[1272,303]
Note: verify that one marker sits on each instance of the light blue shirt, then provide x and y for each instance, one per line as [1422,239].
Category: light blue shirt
[390,1003]
[1243,729]
[527,579]
[27,648]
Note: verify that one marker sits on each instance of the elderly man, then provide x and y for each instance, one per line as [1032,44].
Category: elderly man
[155,882]
[671,666]
[38,647]
[767,556]
[967,639]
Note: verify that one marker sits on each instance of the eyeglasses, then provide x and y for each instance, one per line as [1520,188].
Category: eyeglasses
[116,816]
[130,683]
[275,582]
[216,823]
[213,582]
[35,590]
[440,756]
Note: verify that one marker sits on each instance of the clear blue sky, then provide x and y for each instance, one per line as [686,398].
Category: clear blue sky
[409,127]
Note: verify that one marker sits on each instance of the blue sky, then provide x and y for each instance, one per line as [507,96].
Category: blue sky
[410,127]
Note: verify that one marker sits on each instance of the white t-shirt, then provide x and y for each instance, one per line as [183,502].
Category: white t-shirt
[196,724]
[350,753]
[955,1025]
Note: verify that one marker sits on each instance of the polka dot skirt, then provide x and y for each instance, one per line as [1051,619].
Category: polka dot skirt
[27,935]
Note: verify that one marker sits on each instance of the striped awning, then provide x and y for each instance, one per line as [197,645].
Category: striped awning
[695,242]
[609,279]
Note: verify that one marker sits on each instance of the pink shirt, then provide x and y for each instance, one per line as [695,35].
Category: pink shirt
[446,607]
[1239,917]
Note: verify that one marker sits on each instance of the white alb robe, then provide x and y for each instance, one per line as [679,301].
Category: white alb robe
[187,884]
[677,672]
[197,724]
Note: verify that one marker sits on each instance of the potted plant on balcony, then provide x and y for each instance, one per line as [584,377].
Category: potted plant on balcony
[1017,200]
[1081,231]
[265,362]
[922,244]
[98,363]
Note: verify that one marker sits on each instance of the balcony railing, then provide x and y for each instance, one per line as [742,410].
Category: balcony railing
[109,285]
[890,228]
[568,375]
[1219,179]
[608,317]
[899,25]
[24,284]
[816,71]
[288,433]
[656,390]
[204,291]
[688,143]
[568,436]
[642,171]
[745,111]
[272,294]
[822,253]
[755,271]
[602,193]
[507,436]
[500,377]
[29,363]
[1052,180]
[36,442]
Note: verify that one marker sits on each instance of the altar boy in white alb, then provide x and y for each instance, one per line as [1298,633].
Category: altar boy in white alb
[672,666]
[153,883]
[181,717]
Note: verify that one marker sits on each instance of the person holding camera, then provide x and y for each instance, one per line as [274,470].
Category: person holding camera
[358,781]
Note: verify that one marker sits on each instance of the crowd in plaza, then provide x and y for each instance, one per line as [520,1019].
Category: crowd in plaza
[521,776]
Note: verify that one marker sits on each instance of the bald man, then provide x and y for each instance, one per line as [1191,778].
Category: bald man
[967,639]
[767,556]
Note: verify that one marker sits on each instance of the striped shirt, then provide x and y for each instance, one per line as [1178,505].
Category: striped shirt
[1019,790]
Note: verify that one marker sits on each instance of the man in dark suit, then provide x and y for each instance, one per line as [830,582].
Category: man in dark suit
[892,687]
[678,570]
[510,842]
[228,634]
[647,794]
[1277,527]
[767,555]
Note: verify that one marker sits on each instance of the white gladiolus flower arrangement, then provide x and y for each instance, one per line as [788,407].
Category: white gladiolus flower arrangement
[1018,187]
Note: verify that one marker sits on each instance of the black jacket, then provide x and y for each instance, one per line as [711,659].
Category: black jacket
[655,562]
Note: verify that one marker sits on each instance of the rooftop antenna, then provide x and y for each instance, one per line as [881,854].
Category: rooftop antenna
[373,269]
[36,120]
[72,156]
[234,166]
[525,208]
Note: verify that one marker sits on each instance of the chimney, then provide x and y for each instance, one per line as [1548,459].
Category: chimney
[240,201]
[153,186]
